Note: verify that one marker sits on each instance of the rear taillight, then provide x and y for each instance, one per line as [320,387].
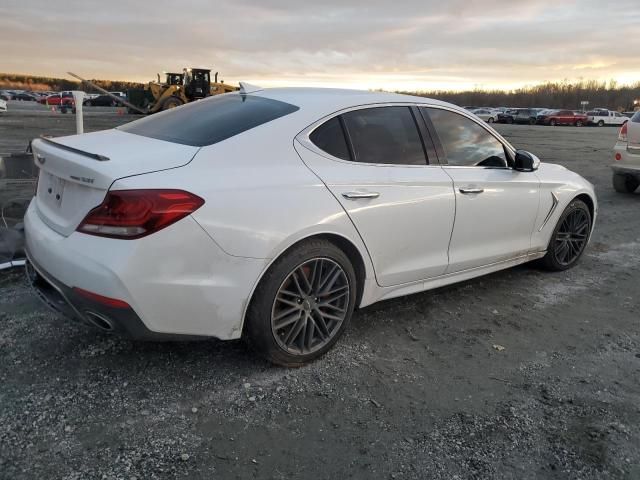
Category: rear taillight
[622,134]
[129,214]
[108,301]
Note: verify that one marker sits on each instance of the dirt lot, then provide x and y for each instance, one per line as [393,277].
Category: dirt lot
[415,390]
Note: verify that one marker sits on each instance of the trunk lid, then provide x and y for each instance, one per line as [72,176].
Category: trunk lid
[77,171]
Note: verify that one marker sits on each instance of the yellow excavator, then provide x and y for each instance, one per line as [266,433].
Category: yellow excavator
[178,89]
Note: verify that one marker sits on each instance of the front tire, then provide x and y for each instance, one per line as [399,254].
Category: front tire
[490,120]
[303,304]
[624,183]
[569,238]
[171,102]
[552,123]
[579,123]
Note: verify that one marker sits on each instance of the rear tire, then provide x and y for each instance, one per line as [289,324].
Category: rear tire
[552,123]
[532,121]
[299,310]
[490,120]
[624,183]
[569,238]
[509,120]
[601,123]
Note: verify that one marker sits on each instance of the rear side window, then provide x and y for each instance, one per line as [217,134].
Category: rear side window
[385,135]
[466,143]
[330,138]
[636,117]
[210,121]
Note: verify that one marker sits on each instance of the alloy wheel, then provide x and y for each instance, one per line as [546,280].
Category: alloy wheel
[310,306]
[571,237]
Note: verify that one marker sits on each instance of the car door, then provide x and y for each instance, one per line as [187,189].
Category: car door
[402,203]
[496,206]
[566,117]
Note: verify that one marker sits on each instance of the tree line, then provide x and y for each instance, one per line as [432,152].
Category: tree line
[9,81]
[563,94]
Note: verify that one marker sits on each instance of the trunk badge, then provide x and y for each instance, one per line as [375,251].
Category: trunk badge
[41,159]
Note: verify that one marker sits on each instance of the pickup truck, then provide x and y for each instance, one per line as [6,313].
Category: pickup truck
[562,117]
[606,117]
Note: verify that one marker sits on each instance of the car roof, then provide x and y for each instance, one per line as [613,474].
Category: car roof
[318,102]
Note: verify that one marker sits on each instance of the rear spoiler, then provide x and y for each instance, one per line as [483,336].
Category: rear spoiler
[95,156]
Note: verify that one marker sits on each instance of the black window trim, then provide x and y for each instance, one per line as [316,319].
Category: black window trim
[442,157]
[427,143]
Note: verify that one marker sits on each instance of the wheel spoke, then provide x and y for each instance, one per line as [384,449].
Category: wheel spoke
[334,307]
[286,313]
[295,331]
[327,276]
[286,301]
[296,282]
[288,321]
[307,285]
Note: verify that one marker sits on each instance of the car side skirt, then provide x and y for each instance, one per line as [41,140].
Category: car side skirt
[375,294]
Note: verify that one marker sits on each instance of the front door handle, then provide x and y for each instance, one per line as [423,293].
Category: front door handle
[357,195]
[471,190]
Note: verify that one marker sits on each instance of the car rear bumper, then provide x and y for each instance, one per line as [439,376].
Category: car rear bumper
[177,282]
[65,301]
[629,163]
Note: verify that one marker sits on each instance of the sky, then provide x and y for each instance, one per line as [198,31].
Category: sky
[408,45]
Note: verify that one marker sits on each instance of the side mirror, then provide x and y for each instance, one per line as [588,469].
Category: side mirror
[525,161]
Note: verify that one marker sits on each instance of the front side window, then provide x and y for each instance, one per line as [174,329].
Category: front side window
[465,143]
[636,117]
[385,135]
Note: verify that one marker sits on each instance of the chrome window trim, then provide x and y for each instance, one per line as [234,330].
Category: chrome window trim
[493,133]
[304,136]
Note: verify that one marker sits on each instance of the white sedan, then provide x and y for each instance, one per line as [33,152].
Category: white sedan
[486,114]
[272,214]
[3,106]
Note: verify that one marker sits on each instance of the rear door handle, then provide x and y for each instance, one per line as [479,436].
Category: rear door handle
[357,195]
[471,190]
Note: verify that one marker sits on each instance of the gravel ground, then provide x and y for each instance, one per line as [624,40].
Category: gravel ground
[417,388]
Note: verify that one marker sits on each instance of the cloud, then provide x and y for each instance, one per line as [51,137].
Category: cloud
[367,44]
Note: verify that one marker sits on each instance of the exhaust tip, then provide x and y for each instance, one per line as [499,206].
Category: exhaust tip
[99,321]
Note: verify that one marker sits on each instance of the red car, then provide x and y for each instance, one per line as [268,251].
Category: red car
[562,117]
[58,99]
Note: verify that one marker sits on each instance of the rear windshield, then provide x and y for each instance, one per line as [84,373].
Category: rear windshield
[210,121]
[636,117]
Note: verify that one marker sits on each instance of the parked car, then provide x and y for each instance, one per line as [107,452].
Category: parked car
[562,117]
[486,114]
[65,98]
[100,101]
[6,96]
[376,207]
[25,97]
[626,169]
[518,115]
[605,117]
[3,106]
